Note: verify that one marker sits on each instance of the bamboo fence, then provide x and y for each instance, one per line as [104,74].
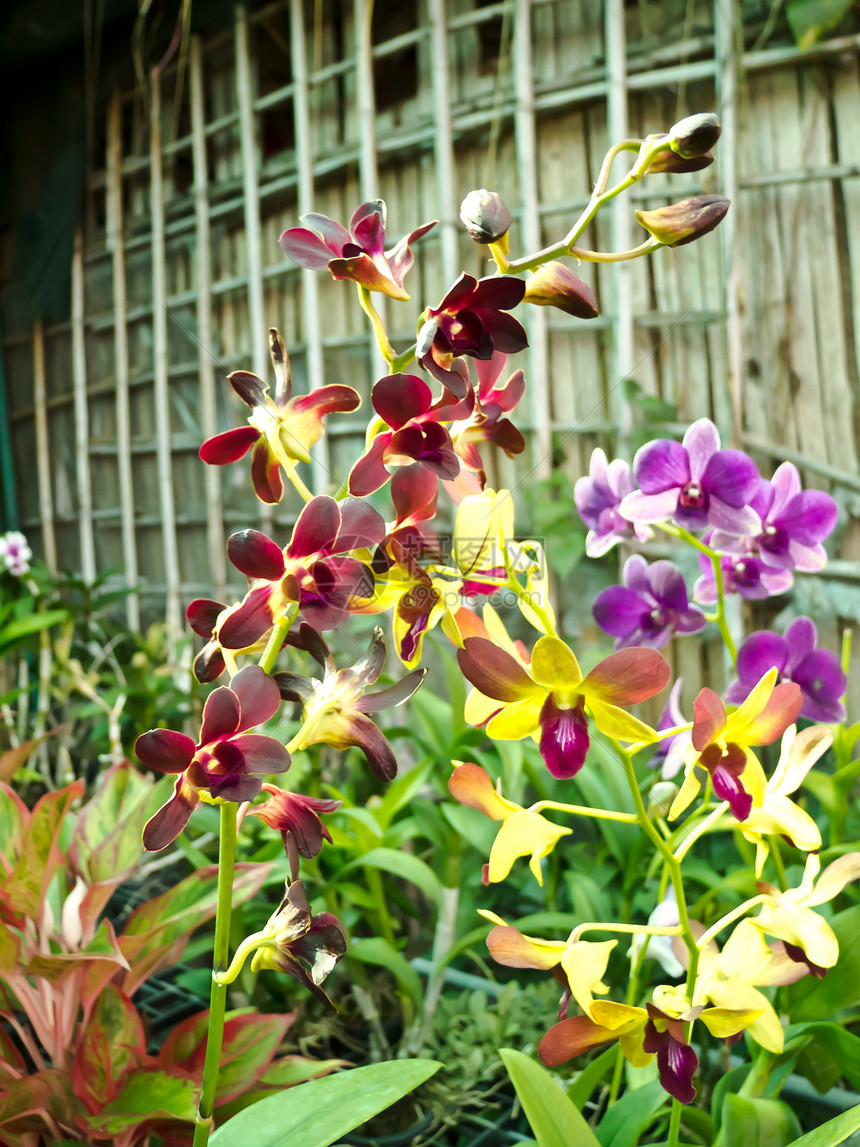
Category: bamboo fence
[177,274]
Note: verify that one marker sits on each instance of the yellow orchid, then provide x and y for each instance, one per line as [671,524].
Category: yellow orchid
[721,743]
[777,815]
[549,696]
[523,832]
[482,528]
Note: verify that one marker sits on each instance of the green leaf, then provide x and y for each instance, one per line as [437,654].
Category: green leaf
[583,1087]
[758,1122]
[551,1115]
[624,1122]
[820,999]
[107,841]
[148,1095]
[833,1132]
[376,950]
[404,865]
[319,1112]
[842,1045]
[24,626]
[809,20]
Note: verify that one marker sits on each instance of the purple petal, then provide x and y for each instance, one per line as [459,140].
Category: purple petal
[249,622]
[677,1064]
[262,754]
[783,487]
[564,740]
[701,441]
[229,446]
[619,610]
[800,639]
[306,248]
[729,788]
[316,529]
[164,827]
[220,715]
[809,517]
[732,476]
[256,555]
[659,467]
[165,750]
[668,586]
[822,681]
[743,521]
[761,652]
[258,696]
[202,615]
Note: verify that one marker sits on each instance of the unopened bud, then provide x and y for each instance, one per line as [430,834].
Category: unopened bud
[660,801]
[668,162]
[684,222]
[694,135]
[554,285]
[484,215]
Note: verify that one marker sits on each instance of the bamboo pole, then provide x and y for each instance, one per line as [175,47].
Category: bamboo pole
[444,141]
[526,150]
[622,324]
[368,175]
[120,352]
[727,79]
[203,276]
[79,386]
[310,282]
[161,383]
[43,449]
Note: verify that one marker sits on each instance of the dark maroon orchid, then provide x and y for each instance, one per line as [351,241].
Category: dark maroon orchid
[471,320]
[206,618]
[316,570]
[794,523]
[483,421]
[299,944]
[598,498]
[282,428]
[335,709]
[227,762]
[649,607]
[694,483]
[795,658]
[297,818]
[357,253]
[405,403]
[414,491]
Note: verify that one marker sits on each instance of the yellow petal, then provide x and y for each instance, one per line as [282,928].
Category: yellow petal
[616,722]
[584,963]
[740,721]
[516,720]
[523,833]
[554,665]
[686,794]
[724,1022]
[835,877]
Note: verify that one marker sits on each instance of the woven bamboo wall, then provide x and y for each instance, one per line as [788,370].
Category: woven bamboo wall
[307,106]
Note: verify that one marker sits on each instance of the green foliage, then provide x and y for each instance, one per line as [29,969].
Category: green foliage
[551,1115]
[809,20]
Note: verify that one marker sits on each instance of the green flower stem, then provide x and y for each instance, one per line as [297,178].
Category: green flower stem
[730,918]
[698,830]
[674,1124]
[615,256]
[625,929]
[299,486]
[218,997]
[381,335]
[845,659]
[716,562]
[403,360]
[776,857]
[582,810]
[672,865]
[279,632]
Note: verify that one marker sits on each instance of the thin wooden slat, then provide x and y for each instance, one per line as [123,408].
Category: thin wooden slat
[443,146]
[526,150]
[79,384]
[123,424]
[160,366]
[727,79]
[320,469]
[43,449]
[203,279]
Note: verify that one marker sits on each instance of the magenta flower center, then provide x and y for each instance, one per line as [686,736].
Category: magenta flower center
[746,573]
[656,620]
[693,497]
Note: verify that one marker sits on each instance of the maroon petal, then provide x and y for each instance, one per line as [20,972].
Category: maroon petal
[202,615]
[730,788]
[266,474]
[294,687]
[334,234]
[369,472]
[256,555]
[367,670]
[262,754]
[460,293]
[564,740]
[229,446]
[506,436]
[398,398]
[316,529]
[362,527]
[492,671]
[165,750]
[499,292]
[309,640]
[392,695]
[164,827]
[373,744]
[258,696]
[220,715]
[413,492]
[507,334]
[209,663]
[250,621]
[306,248]
[676,1063]
[250,387]
[400,257]
[369,232]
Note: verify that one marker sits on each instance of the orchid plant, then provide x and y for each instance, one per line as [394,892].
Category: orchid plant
[446,395]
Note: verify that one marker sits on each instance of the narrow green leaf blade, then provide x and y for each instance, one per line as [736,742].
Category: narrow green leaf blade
[552,1117]
[404,865]
[758,1122]
[833,1132]
[319,1112]
[624,1122]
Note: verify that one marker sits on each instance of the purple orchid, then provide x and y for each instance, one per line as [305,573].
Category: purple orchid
[743,573]
[795,657]
[794,523]
[649,608]
[227,761]
[357,253]
[694,483]
[405,403]
[15,553]
[471,320]
[597,499]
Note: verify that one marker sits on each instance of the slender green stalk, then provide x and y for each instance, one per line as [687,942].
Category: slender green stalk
[221,954]
[776,857]
[722,622]
[674,1124]
[403,360]
[299,486]
[279,632]
[381,335]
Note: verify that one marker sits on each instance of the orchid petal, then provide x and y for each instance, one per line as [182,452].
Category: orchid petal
[626,677]
[229,446]
[554,665]
[494,672]
[516,720]
[256,555]
[258,695]
[165,750]
[165,825]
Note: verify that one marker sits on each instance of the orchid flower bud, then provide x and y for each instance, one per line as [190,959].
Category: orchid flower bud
[681,223]
[554,285]
[485,216]
[694,135]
